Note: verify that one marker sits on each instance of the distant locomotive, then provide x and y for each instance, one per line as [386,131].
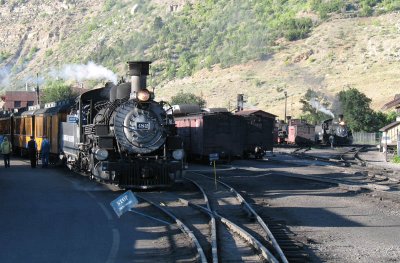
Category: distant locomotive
[117,134]
[335,133]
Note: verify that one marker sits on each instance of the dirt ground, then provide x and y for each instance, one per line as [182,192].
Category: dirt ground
[336,224]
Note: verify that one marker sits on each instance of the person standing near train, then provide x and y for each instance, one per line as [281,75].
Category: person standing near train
[6,149]
[32,150]
[45,151]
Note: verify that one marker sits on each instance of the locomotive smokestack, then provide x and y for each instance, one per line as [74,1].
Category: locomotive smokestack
[138,70]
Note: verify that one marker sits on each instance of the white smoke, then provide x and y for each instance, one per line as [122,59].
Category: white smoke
[5,75]
[34,80]
[319,107]
[81,72]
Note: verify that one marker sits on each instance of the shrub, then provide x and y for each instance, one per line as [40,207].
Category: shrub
[4,55]
[32,52]
[48,53]
[324,8]
[188,98]
[108,4]
[396,159]
[296,28]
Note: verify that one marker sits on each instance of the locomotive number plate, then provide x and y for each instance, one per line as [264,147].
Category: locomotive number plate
[143,126]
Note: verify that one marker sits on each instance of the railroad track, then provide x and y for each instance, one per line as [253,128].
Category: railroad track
[364,175]
[179,245]
[301,150]
[351,157]
[219,223]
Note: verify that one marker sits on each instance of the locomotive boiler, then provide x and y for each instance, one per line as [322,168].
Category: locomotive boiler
[119,134]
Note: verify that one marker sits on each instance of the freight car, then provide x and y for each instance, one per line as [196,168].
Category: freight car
[207,133]
[259,136]
[215,130]
[301,133]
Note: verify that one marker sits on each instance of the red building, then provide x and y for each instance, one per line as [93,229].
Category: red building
[17,99]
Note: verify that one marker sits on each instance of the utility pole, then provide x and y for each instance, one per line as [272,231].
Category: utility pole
[285,104]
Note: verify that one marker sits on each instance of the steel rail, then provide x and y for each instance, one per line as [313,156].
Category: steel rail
[235,228]
[183,228]
[357,156]
[270,236]
[214,246]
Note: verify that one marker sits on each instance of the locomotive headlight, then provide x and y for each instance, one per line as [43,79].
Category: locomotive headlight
[143,95]
[178,154]
[101,154]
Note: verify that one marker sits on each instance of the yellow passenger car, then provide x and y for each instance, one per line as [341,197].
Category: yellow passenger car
[24,123]
[47,123]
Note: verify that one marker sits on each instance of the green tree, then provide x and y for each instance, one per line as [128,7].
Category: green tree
[296,28]
[313,107]
[57,90]
[359,115]
[188,98]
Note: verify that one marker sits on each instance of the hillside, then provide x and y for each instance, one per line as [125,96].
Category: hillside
[358,52]
[216,49]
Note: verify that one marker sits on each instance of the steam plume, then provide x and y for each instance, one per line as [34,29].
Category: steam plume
[81,72]
[319,107]
[4,77]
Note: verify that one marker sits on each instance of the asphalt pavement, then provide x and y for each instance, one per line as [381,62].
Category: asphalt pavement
[53,215]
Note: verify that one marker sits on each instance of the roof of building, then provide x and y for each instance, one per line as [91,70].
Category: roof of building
[393,103]
[21,95]
[256,112]
[389,126]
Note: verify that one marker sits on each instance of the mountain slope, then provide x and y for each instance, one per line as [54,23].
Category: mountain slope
[357,52]
[185,37]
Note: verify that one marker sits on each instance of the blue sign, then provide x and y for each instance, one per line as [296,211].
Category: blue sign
[213,156]
[72,119]
[124,203]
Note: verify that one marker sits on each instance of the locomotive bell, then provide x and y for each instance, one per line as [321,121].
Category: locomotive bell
[138,70]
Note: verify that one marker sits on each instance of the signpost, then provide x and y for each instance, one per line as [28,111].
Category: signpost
[124,203]
[214,157]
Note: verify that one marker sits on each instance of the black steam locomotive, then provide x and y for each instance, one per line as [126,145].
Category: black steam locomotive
[119,134]
[336,133]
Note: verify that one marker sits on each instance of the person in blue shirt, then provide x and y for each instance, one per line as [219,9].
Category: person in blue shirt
[32,151]
[45,151]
